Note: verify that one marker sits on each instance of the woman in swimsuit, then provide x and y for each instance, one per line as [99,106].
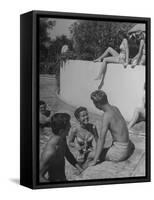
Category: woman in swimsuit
[122,57]
[82,137]
[139,114]
[139,59]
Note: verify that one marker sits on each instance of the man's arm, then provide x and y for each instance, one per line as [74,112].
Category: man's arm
[101,140]
[95,133]
[71,137]
[69,156]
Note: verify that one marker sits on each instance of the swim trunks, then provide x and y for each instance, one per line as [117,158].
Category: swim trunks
[120,151]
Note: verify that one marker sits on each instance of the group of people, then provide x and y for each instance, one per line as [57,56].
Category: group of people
[88,145]
[112,56]
[81,144]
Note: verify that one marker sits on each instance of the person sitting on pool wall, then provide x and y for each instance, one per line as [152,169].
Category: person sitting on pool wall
[83,137]
[140,58]
[56,150]
[122,57]
[113,121]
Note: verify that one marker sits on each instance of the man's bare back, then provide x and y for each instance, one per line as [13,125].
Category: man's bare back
[117,125]
[114,122]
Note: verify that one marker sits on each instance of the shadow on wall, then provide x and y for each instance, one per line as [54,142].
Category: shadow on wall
[124,87]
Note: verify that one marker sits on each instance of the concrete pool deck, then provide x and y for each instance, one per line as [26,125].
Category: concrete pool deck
[133,167]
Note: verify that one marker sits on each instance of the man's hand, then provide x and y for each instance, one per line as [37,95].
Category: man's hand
[92,163]
[78,170]
[79,167]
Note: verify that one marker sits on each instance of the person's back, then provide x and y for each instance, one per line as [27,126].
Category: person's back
[53,157]
[118,127]
[56,170]
[114,122]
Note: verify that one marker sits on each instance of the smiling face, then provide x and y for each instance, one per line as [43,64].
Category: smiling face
[83,117]
[42,108]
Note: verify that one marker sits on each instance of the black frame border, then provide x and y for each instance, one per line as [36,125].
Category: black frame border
[33,173]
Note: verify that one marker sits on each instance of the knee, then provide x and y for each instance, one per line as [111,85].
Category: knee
[105,60]
[109,48]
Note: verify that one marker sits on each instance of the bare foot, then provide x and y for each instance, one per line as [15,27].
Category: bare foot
[97,60]
[131,131]
[133,66]
[100,86]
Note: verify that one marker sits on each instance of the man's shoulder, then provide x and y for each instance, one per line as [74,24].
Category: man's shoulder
[54,140]
[107,115]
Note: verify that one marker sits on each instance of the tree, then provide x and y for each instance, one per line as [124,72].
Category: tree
[91,38]
[56,45]
[45,25]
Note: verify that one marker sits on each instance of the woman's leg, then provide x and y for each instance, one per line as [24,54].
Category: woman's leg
[108,51]
[142,61]
[104,68]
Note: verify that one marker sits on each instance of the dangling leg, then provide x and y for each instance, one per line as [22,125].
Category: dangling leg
[107,52]
[103,76]
[103,69]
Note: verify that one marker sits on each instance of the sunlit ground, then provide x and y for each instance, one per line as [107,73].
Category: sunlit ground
[134,166]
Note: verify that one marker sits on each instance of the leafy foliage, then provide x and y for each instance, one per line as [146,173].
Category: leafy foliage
[91,38]
[45,26]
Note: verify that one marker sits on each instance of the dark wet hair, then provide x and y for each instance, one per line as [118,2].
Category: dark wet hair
[59,121]
[122,33]
[78,110]
[42,102]
[99,96]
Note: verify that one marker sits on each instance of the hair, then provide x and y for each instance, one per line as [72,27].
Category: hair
[143,35]
[78,110]
[42,102]
[122,33]
[99,96]
[59,121]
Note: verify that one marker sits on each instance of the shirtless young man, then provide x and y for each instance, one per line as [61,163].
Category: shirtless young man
[53,157]
[114,122]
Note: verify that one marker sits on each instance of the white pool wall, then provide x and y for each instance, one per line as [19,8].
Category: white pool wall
[124,87]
